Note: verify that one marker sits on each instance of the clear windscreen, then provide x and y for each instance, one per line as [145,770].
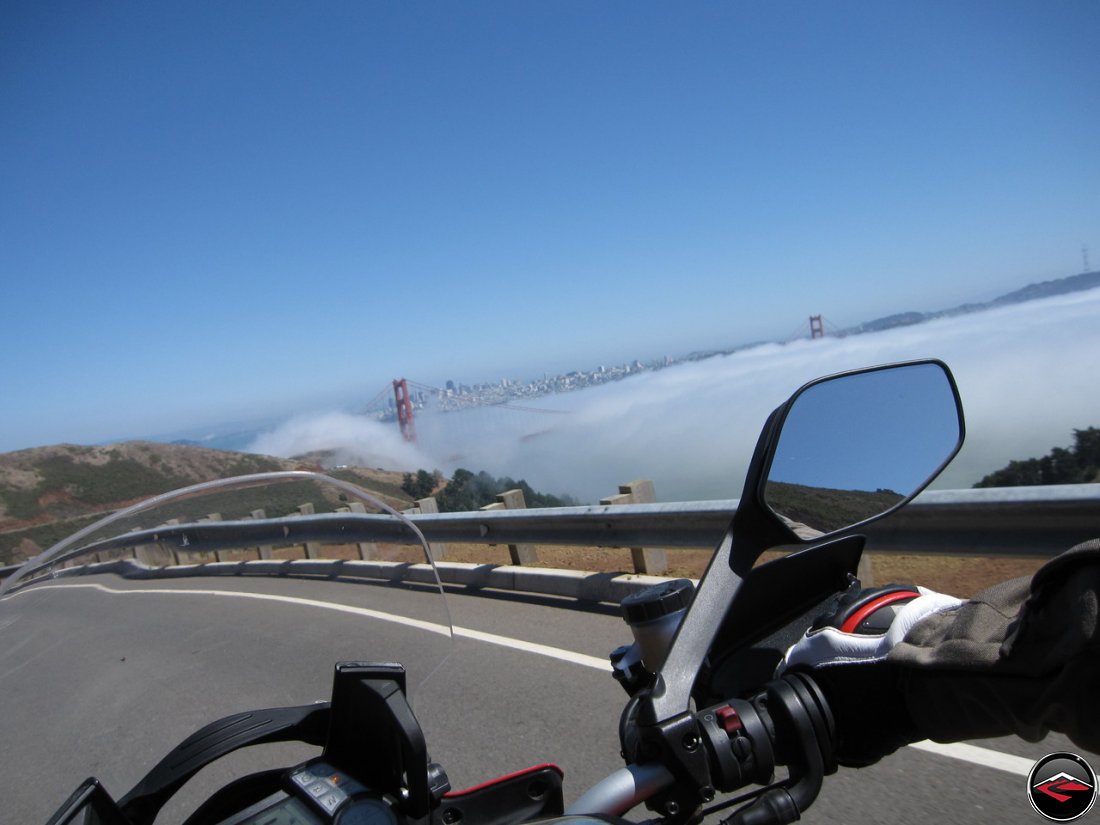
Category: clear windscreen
[121,641]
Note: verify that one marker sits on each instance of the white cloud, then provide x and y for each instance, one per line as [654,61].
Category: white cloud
[1027,374]
[352,439]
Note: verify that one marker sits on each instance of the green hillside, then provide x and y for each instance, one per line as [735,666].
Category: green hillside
[47,493]
[1080,464]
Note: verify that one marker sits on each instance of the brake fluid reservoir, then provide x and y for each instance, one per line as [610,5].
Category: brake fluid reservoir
[653,615]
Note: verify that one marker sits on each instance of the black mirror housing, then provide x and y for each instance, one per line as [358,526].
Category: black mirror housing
[845,450]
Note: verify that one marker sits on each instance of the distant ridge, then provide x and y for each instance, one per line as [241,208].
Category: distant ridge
[1031,292]
[1045,289]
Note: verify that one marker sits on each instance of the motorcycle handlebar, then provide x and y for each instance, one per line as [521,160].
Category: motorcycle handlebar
[786,723]
[623,790]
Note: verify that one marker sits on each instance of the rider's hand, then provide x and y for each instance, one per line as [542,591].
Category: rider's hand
[846,651]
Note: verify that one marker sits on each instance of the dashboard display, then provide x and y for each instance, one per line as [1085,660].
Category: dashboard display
[288,812]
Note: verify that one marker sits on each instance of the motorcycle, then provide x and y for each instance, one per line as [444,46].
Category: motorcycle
[706,714]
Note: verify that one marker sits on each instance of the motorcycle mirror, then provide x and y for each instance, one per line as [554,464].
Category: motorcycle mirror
[853,447]
[842,451]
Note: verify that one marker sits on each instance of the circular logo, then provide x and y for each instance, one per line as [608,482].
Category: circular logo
[1061,786]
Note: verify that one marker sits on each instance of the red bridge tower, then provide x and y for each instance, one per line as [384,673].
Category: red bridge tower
[404,409]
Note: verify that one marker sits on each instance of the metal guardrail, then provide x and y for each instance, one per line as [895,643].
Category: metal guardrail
[1018,521]
[1015,521]
[1026,521]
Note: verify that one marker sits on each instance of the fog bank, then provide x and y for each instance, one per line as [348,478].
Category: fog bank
[1026,374]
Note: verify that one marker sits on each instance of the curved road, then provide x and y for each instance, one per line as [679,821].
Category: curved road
[102,676]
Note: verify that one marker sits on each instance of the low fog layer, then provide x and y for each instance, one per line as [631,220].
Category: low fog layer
[349,439]
[1027,375]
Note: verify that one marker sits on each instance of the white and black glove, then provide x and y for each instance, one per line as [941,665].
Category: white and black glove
[846,650]
[865,629]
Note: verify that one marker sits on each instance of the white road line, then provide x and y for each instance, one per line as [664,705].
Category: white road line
[542,650]
[1018,765]
[433,627]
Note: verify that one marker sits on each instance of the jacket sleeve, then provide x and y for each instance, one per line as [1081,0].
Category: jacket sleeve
[1021,658]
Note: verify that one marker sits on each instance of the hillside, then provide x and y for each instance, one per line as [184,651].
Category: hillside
[826,509]
[47,493]
[1080,464]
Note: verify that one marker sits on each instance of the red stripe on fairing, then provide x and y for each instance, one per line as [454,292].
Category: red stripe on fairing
[505,778]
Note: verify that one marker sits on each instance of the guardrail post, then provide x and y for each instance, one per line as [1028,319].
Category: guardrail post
[219,555]
[172,551]
[368,550]
[513,500]
[139,551]
[152,555]
[313,549]
[264,549]
[429,505]
[649,560]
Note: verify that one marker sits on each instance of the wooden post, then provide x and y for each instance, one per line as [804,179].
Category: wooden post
[172,552]
[513,500]
[219,555]
[264,549]
[368,550]
[429,505]
[313,549]
[650,560]
[141,551]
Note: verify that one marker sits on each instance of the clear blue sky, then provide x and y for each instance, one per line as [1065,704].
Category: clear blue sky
[223,210]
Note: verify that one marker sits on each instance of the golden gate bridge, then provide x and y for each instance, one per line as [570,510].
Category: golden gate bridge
[404,406]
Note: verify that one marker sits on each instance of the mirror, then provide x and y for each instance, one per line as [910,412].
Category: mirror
[858,445]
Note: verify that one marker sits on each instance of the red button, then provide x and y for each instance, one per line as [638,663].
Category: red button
[729,720]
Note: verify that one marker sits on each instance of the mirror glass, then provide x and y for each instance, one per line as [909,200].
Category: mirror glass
[855,446]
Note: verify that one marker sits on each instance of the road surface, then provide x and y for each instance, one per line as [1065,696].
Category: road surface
[102,676]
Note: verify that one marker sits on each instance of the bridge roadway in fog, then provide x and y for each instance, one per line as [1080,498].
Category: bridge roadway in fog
[100,681]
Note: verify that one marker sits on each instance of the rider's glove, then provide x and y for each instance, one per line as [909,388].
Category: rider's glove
[846,651]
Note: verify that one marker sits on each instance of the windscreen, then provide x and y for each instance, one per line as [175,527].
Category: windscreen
[119,642]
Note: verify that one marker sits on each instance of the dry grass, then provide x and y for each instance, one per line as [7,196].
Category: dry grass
[959,575]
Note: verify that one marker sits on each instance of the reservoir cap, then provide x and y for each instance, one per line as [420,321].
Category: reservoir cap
[657,601]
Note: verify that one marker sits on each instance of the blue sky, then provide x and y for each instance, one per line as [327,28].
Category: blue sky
[214,211]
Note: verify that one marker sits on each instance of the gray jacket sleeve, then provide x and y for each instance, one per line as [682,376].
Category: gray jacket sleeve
[1021,658]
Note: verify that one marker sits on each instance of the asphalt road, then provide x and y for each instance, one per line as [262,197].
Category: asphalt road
[101,676]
